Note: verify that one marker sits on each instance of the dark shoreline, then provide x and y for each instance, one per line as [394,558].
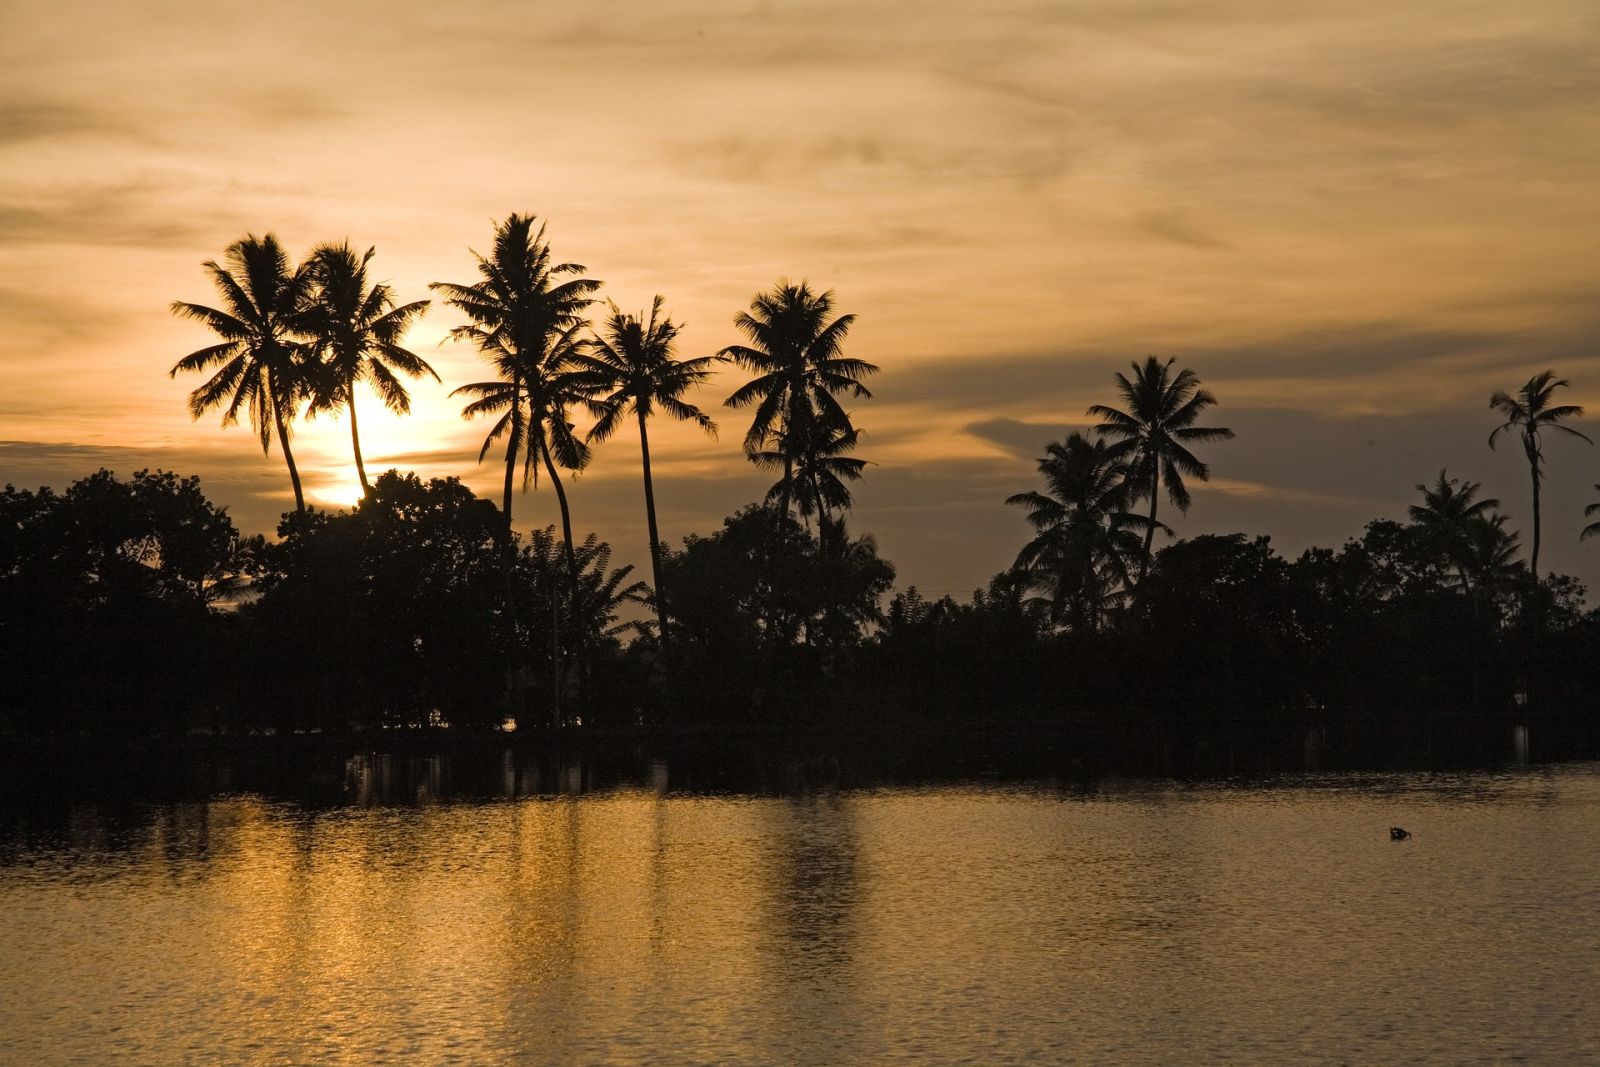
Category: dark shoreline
[324,768]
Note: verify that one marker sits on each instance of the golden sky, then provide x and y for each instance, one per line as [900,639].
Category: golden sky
[1353,220]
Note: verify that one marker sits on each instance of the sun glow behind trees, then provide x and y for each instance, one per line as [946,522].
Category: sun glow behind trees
[1286,199]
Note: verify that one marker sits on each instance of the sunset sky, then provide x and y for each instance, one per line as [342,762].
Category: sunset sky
[1354,221]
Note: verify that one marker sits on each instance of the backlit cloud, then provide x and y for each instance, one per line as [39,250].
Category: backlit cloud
[1354,221]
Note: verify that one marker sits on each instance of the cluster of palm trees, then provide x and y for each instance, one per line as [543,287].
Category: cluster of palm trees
[1466,532]
[298,339]
[1091,548]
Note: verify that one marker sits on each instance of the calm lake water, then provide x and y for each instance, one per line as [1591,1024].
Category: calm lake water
[977,922]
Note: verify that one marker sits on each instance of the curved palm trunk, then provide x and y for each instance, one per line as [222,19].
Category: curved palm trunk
[355,434]
[655,538]
[1150,532]
[288,454]
[572,573]
[513,446]
[566,515]
[1533,560]
[788,481]
[822,511]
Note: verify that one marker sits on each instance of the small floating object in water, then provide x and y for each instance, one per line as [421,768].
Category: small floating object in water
[1397,833]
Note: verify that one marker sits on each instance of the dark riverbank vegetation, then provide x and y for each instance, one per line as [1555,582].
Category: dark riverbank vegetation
[134,608]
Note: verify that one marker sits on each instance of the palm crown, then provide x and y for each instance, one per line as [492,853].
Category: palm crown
[262,366]
[525,320]
[815,464]
[631,362]
[795,351]
[1086,536]
[1531,412]
[357,327]
[1454,517]
[1156,430]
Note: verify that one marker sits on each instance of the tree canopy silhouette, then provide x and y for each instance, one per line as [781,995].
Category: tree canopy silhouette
[632,368]
[1155,432]
[796,354]
[525,312]
[1530,413]
[1079,560]
[357,328]
[264,367]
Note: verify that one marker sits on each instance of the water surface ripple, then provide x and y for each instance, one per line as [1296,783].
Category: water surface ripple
[971,923]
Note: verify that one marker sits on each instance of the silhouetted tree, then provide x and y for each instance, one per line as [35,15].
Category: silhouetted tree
[588,605]
[1079,559]
[632,363]
[105,596]
[1452,515]
[795,352]
[758,599]
[264,367]
[387,612]
[1530,413]
[1220,609]
[524,320]
[1155,432]
[1593,529]
[357,329]
[814,470]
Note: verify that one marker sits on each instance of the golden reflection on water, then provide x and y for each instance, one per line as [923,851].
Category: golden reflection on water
[980,923]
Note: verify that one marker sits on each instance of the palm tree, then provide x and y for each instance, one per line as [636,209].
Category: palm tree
[795,353]
[814,469]
[631,362]
[524,319]
[1530,412]
[1451,514]
[1153,434]
[1086,536]
[357,328]
[1593,529]
[1490,552]
[264,366]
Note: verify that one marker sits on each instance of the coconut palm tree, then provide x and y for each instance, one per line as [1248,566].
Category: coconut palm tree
[1450,513]
[630,361]
[357,328]
[815,466]
[1530,413]
[795,352]
[1154,433]
[525,311]
[1490,551]
[1087,538]
[262,363]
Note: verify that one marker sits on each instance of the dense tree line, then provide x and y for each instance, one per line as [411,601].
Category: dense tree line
[135,607]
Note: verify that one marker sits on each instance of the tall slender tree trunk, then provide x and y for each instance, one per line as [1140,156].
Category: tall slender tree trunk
[513,443]
[572,567]
[288,453]
[822,510]
[355,434]
[566,515]
[513,446]
[1150,533]
[1533,561]
[788,481]
[655,538]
